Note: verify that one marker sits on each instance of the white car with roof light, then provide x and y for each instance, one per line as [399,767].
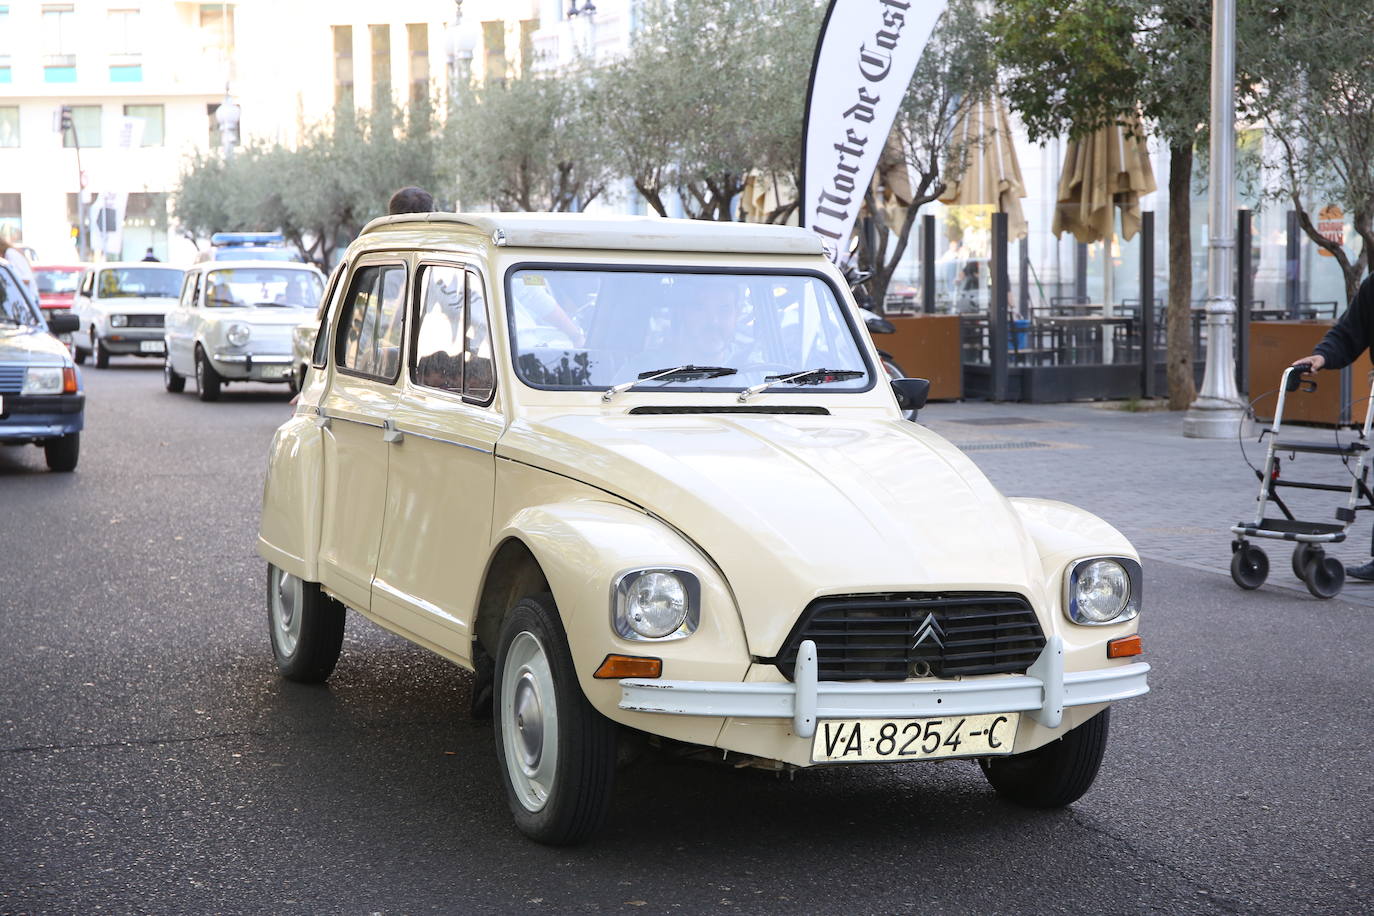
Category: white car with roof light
[122,308]
[646,477]
[234,322]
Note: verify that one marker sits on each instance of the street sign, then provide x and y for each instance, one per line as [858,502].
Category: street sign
[1331,226]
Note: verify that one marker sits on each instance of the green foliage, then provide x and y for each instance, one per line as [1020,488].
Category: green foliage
[710,90]
[320,194]
[529,143]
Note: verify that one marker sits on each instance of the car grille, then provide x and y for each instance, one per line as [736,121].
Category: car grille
[11,379]
[894,637]
[145,321]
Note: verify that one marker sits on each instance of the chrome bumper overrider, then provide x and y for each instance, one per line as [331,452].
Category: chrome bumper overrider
[1043,692]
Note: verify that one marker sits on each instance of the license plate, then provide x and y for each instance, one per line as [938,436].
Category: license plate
[150,346]
[276,371]
[866,740]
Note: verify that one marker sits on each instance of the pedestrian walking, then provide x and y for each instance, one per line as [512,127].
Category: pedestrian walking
[1341,346]
[149,256]
[410,200]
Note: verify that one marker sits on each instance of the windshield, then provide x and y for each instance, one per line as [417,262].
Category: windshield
[129,282]
[57,281]
[15,308]
[241,287]
[591,329]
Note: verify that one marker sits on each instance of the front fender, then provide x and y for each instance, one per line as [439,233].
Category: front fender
[582,546]
[289,533]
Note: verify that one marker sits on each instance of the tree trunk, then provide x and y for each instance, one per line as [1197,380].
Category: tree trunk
[1178,335]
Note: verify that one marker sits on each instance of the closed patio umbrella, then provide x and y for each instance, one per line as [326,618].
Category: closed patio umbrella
[982,169]
[1108,168]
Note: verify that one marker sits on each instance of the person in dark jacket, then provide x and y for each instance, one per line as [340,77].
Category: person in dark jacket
[1341,346]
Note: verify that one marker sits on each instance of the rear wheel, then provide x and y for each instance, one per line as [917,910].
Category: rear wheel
[79,354]
[1054,775]
[61,454]
[306,627]
[557,752]
[1249,566]
[170,379]
[207,379]
[1323,575]
[99,355]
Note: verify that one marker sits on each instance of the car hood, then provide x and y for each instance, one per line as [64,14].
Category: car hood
[30,345]
[135,305]
[794,507]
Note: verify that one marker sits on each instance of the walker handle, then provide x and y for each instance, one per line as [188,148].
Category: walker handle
[1296,380]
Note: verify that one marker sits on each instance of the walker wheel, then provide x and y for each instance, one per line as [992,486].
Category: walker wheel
[1249,566]
[1301,555]
[1325,576]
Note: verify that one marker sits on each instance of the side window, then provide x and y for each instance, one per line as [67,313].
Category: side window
[321,348]
[479,377]
[88,283]
[188,283]
[439,329]
[369,329]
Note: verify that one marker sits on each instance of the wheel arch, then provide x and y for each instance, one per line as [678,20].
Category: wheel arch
[289,531]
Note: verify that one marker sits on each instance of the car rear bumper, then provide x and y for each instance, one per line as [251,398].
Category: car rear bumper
[1043,692]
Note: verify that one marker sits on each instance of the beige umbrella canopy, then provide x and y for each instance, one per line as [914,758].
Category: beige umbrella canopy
[1108,168]
[982,169]
[764,193]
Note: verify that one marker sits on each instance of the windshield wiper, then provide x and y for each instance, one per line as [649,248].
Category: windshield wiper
[806,377]
[673,374]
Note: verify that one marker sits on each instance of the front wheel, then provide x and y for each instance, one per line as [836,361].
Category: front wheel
[1249,566]
[99,355]
[306,627]
[173,382]
[207,379]
[61,454]
[557,753]
[1054,775]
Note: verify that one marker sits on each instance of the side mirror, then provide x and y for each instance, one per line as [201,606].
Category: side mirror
[63,324]
[911,392]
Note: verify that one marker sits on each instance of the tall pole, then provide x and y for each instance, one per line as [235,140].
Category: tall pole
[1217,413]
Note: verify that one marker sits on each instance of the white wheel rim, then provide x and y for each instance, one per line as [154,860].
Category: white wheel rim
[529,721]
[286,600]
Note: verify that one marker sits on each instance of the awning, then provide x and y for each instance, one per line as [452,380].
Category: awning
[1108,168]
[982,169]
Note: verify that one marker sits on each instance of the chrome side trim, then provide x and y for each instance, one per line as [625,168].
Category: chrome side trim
[410,432]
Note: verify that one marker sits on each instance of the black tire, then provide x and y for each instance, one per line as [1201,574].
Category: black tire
[1054,775]
[79,355]
[305,627]
[99,355]
[62,453]
[1301,554]
[173,382]
[1249,566]
[207,379]
[1324,575]
[576,784]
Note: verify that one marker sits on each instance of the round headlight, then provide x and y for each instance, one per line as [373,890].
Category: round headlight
[656,604]
[118,321]
[237,334]
[1101,590]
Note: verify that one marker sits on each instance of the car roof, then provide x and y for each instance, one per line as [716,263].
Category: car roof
[621,233]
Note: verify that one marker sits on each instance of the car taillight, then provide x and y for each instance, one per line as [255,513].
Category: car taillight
[69,380]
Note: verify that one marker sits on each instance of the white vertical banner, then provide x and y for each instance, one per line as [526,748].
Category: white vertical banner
[107,211]
[865,55]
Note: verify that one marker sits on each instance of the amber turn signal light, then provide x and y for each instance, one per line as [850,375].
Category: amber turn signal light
[629,666]
[1125,647]
[69,381]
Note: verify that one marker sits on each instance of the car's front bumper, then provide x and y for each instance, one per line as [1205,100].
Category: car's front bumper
[1043,691]
[28,418]
[255,367]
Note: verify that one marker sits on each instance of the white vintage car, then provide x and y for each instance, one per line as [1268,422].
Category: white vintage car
[234,322]
[647,476]
[122,307]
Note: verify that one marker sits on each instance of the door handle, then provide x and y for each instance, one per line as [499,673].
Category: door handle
[390,433]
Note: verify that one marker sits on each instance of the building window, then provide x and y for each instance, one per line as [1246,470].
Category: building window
[59,43]
[417,35]
[494,40]
[122,36]
[153,117]
[343,65]
[126,73]
[5,44]
[86,124]
[217,30]
[9,125]
[11,223]
[381,63]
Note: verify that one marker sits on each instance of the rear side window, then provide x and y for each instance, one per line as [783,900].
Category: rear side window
[452,341]
[371,323]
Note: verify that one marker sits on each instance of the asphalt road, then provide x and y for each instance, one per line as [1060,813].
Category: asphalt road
[151,760]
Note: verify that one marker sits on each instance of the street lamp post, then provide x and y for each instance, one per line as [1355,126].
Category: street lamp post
[1217,412]
[460,42]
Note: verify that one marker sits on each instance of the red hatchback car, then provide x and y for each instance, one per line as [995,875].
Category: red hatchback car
[57,285]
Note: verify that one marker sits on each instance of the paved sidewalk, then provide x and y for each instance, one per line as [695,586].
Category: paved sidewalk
[1175,498]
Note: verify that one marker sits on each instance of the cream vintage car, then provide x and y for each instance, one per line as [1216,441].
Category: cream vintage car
[647,476]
